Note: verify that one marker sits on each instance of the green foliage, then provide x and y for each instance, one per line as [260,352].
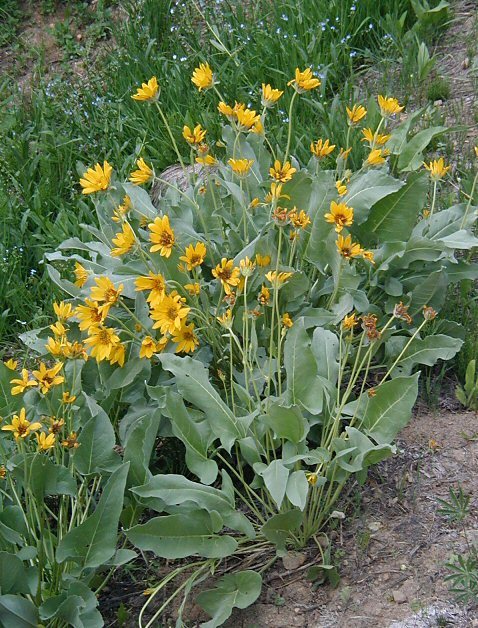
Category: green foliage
[439,88]
[467,395]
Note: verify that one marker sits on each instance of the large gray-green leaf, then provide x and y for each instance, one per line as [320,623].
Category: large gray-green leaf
[15,577]
[17,612]
[411,157]
[235,590]
[97,441]
[181,535]
[367,189]
[431,291]
[278,528]
[93,542]
[297,489]
[393,217]
[275,476]
[139,446]
[286,422]
[192,381]
[44,476]
[196,437]
[427,351]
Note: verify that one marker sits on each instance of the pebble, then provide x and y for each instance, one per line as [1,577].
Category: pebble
[399,597]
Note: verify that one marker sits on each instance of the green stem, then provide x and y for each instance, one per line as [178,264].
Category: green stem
[289,134]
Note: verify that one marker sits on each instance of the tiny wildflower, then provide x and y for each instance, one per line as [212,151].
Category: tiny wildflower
[45,441]
[226,319]
[356,113]
[263,260]
[388,106]
[148,91]
[287,321]
[148,347]
[91,314]
[246,267]
[3,472]
[194,136]
[374,139]
[344,153]
[207,160]
[240,167]
[269,95]
[247,119]
[300,219]
[347,248]
[437,169]
[349,322]
[203,77]
[278,278]
[227,274]
[124,241]
[143,174]
[341,215]
[120,212]
[321,148]
[312,478]
[254,203]
[63,310]
[96,179]
[401,311]
[193,289]
[282,173]
[304,81]
[20,385]
[264,296]
[276,193]
[11,364]
[376,157]
[67,397]
[341,187]
[227,110]
[194,255]
[371,392]
[47,378]
[71,441]
[20,426]
[162,236]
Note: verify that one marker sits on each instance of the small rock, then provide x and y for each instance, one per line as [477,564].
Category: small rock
[466,63]
[438,103]
[293,560]
[399,597]
[374,526]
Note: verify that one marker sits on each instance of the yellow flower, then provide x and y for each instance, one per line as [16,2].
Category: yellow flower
[437,169]
[203,77]
[58,329]
[258,127]
[81,275]
[286,320]
[227,274]
[194,255]
[91,314]
[349,322]
[347,248]
[11,364]
[105,291]
[304,81]
[388,106]
[156,284]
[341,215]
[20,385]
[341,187]
[162,236]
[185,338]
[45,441]
[124,241]
[148,347]
[344,153]
[429,313]
[56,425]
[118,355]
[47,378]
[356,113]
[269,95]
[264,295]
[63,310]
[207,160]
[120,212]
[246,267]
[263,260]
[276,193]
[96,179]
[226,319]
[227,110]
[71,441]
[194,136]
[377,157]
[20,426]
[300,219]
[311,478]
[321,149]
[374,139]
[147,91]
[67,397]
[246,118]
[102,340]
[143,174]
[241,167]
[475,148]
[170,313]
[282,173]
[368,255]
[254,203]
[277,279]
[193,289]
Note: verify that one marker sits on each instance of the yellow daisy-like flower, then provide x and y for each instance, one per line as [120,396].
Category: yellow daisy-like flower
[321,149]
[258,127]
[368,255]
[101,341]
[270,95]
[304,81]
[48,377]
[81,275]
[207,160]
[227,110]
[377,157]
[344,153]
[203,77]
[70,441]
[264,295]
[67,397]
[162,236]
[278,278]
[148,348]
[156,284]
[349,322]
[226,319]
[20,426]
[120,212]
[276,193]
[374,139]
[45,441]
[282,173]
[105,291]
[118,355]
[254,203]
[194,255]
[286,320]
[124,241]
[263,260]
[63,310]
[437,169]
[169,313]
[356,113]
[11,364]
[143,174]
[246,118]
[312,478]
[241,167]
[92,314]
[341,215]
[246,267]
[194,136]
[388,106]
[341,187]
[193,289]
[148,91]
[58,329]
[56,425]
[347,248]
[96,179]
[185,338]
[20,385]
[300,219]
[228,275]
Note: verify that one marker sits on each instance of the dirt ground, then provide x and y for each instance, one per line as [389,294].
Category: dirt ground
[394,547]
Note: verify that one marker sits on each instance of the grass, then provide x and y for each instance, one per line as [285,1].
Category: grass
[66,119]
